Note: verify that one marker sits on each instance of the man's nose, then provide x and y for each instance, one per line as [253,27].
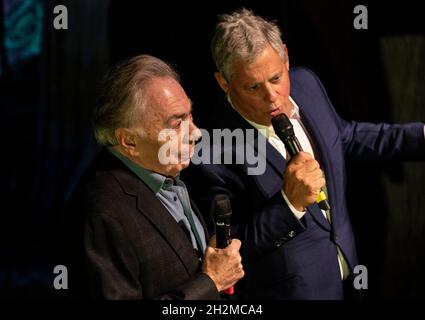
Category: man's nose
[270,93]
[194,132]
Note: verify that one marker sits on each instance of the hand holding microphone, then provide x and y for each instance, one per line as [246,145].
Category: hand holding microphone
[223,263]
[304,179]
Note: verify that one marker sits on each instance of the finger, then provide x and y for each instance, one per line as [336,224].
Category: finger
[235,244]
[312,165]
[209,251]
[301,157]
[318,184]
[242,274]
[313,190]
[237,266]
[316,175]
[239,260]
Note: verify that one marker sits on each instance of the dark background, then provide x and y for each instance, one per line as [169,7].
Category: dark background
[375,75]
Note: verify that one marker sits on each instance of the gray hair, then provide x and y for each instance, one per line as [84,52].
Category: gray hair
[123,100]
[243,35]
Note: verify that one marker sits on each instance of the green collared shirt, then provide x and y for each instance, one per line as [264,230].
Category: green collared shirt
[173,195]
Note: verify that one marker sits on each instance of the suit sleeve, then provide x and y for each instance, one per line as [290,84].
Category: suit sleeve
[113,266]
[369,142]
[373,142]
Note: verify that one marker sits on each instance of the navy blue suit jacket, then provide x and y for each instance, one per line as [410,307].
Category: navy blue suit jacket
[285,258]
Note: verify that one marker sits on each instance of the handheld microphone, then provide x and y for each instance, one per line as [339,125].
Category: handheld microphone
[285,131]
[221,211]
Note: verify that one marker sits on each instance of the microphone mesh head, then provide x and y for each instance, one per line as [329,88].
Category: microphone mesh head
[221,207]
[282,126]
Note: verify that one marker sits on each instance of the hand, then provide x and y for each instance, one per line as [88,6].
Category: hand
[224,266]
[303,180]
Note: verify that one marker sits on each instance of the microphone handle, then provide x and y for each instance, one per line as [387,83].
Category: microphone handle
[222,235]
[223,240]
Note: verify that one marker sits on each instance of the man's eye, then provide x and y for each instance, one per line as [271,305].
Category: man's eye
[275,79]
[177,124]
[253,87]
[188,117]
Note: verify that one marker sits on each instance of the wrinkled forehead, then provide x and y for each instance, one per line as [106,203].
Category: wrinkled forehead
[165,98]
[267,63]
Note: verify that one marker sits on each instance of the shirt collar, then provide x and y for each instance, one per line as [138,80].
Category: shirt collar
[153,180]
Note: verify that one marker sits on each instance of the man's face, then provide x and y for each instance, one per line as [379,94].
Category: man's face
[169,112]
[259,90]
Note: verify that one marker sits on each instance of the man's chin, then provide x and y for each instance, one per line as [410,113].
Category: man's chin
[184,164]
[175,169]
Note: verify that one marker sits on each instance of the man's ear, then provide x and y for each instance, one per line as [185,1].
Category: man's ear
[287,56]
[126,140]
[221,81]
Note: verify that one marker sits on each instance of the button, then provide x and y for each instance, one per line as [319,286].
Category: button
[278,243]
[175,198]
[335,238]
[291,234]
[168,182]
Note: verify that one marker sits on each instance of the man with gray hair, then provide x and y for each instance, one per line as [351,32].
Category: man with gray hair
[133,231]
[292,248]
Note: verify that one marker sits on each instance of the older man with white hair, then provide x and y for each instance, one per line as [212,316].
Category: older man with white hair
[133,231]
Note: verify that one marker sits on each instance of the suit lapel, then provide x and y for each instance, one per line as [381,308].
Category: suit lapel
[321,151]
[151,207]
[270,181]
[201,219]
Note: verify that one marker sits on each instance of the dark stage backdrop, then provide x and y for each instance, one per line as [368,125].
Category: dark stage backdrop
[47,97]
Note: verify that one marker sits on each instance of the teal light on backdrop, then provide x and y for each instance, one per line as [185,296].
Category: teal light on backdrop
[23,29]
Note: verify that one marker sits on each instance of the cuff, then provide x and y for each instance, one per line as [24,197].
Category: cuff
[298,214]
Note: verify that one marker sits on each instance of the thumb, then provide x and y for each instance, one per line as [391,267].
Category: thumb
[235,244]
[213,241]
